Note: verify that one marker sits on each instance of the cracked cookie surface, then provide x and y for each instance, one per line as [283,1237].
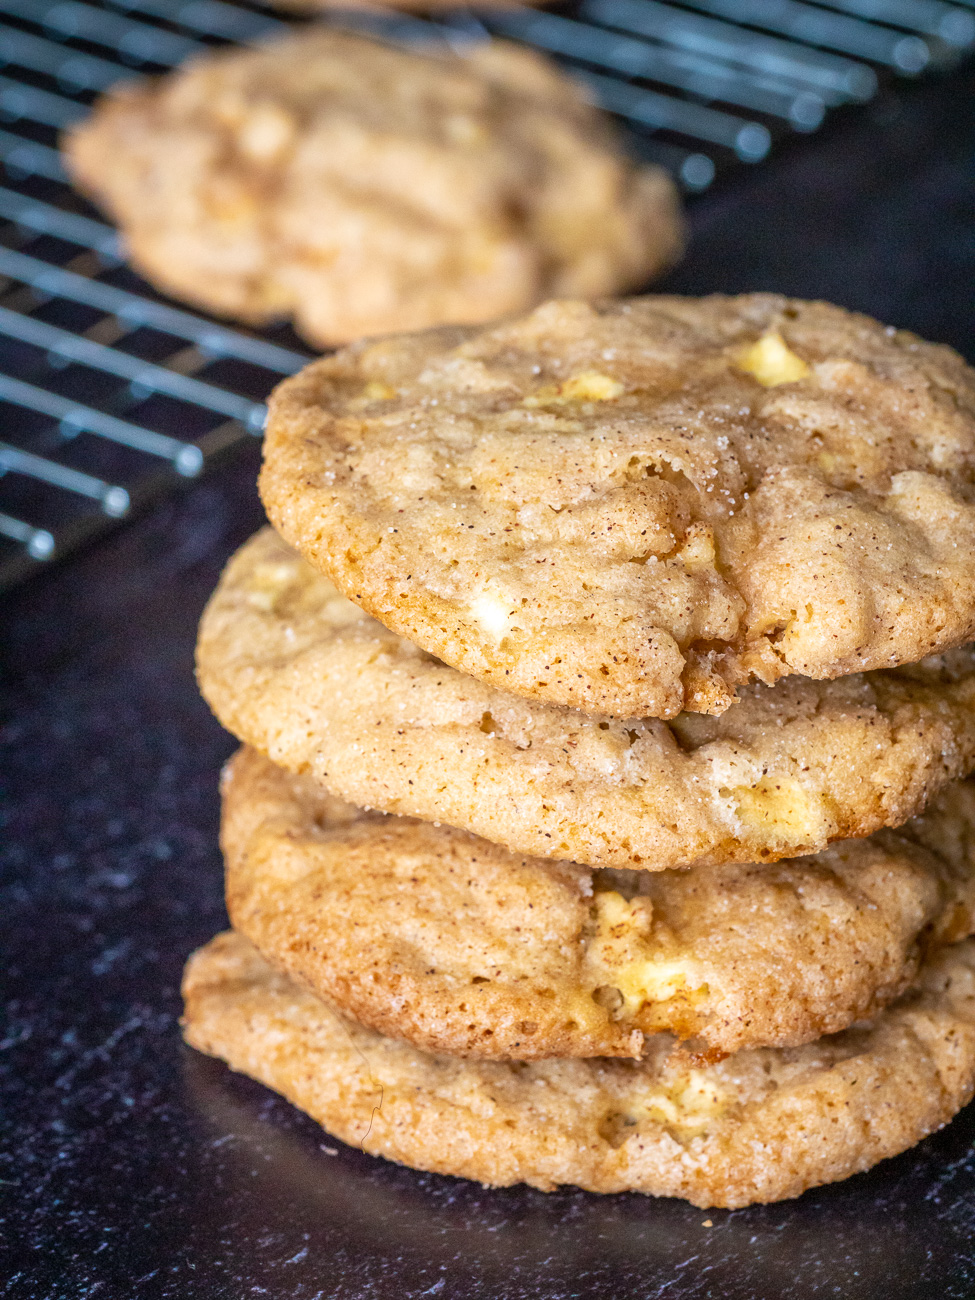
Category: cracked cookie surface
[446,940]
[361,188]
[762,1125]
[635,507]
[302,674]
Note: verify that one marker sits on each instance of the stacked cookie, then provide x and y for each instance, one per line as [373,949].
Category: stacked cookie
[594,686]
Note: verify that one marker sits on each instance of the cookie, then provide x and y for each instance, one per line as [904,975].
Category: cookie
[361,188]
[431,934]
[635,507]
[761,1126]
[302,674]
[417,6]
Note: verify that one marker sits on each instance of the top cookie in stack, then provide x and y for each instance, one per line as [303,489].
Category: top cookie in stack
[531,559]
[635,508]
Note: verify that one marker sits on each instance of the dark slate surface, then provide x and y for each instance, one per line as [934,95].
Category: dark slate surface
[130,1166]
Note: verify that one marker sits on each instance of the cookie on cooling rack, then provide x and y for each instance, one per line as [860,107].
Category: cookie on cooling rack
[416,6]
[360,188]
[634,507]
[436,936]
[293,668]
[762,1125]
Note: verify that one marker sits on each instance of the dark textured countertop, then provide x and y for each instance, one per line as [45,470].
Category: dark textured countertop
[132,1167]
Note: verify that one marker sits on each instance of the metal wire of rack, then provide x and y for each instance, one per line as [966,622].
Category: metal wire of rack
[109,395]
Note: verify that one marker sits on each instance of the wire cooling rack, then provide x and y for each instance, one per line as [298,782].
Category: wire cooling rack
[109,395]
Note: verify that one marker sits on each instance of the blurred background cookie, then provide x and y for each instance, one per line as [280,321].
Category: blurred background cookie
[414,6]
[362,189]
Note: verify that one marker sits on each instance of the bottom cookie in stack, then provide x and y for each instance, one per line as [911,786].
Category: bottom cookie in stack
[447,944]
[762,1125]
